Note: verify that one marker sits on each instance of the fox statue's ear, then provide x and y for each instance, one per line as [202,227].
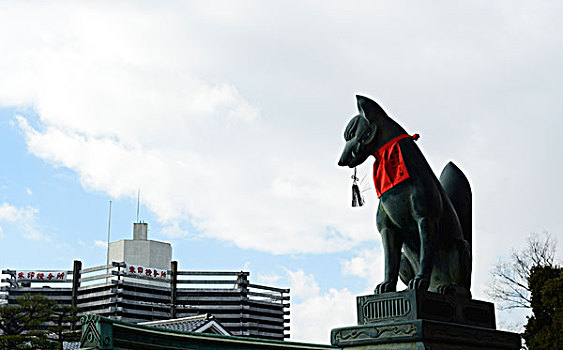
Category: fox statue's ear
[369,109]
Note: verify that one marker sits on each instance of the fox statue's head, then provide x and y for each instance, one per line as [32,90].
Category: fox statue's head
[360,134]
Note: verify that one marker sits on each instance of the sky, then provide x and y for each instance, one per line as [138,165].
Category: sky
[229,118]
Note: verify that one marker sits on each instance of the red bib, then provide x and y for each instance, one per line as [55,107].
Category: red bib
[389,168]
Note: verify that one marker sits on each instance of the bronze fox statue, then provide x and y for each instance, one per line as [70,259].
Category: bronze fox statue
[425,224]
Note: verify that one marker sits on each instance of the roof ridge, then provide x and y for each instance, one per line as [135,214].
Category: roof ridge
[203,317]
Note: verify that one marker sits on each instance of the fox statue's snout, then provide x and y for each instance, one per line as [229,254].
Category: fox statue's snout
[348,154]
[358,134]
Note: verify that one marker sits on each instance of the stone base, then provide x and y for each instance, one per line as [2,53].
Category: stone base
[422,334]
[413,304]
[413,319]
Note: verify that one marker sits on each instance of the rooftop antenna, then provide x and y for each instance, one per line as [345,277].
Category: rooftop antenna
[109,230]
[138,203]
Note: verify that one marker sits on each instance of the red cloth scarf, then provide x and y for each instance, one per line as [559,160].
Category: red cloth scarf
[389,168]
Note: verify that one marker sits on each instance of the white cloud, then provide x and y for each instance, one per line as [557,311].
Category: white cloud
[135,103]
[100,244]
[267,279]
[302,284]
[2,235]
[314,318]
[174,230]
[24,220]
[211,192]
[229,117]
[512,320]
[367,264]
[315,313]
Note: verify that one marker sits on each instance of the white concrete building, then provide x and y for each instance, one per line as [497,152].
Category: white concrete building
[140,250]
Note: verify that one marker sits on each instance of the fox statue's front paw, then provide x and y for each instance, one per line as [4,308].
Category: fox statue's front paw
[447,289]
[385,287]
[419,283]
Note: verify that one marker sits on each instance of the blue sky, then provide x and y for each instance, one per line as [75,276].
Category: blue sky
[73,219]
[229,117]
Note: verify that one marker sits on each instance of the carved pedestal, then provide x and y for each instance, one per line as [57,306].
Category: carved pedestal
[423,320]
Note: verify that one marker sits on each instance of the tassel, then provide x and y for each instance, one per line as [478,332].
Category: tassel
[357,200]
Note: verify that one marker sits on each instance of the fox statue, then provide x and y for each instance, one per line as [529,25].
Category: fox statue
[425,223]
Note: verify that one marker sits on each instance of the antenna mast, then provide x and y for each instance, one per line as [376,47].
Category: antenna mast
[109,230]
[138,203]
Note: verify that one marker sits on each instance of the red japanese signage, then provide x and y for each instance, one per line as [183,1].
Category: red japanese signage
[143,271]
[42,276]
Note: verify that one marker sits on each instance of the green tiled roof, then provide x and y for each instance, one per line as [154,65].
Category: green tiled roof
[102,333]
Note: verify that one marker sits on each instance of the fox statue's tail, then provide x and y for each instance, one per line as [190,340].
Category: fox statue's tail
[457,188]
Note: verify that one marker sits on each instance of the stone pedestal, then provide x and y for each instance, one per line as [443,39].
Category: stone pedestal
[423,320]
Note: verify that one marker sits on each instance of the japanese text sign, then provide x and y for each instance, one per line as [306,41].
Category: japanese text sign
[42,276]
[143,271]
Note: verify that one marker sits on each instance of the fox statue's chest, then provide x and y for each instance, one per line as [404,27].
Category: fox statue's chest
[395,209]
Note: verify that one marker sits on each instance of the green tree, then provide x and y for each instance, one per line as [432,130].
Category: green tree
[544,329]
[60,320]
[509,282]
[20,323]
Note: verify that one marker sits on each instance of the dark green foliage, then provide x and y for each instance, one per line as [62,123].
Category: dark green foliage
[19,323]
[29,340]
[36,322]
[545,327]
[61,318]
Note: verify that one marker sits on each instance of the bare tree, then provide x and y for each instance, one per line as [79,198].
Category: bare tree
[509,282]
